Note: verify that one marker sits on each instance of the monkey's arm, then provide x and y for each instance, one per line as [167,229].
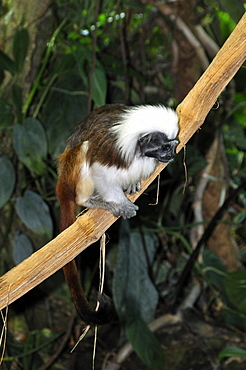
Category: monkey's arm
[66,192]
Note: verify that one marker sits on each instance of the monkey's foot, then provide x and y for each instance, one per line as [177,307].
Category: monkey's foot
[126,209]
[133,188]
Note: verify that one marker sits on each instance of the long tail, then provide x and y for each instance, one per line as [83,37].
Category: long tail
[106,311]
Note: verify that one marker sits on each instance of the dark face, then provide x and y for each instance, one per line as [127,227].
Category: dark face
[157,145]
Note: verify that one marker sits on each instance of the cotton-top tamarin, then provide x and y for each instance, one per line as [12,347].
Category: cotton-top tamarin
[110,152]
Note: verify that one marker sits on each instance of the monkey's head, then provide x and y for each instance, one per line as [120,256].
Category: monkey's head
[146,131]
[157,145]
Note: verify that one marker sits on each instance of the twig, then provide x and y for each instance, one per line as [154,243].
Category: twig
[3,335]
[208,43]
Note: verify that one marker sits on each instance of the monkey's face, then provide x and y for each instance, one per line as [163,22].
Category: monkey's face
[157,145]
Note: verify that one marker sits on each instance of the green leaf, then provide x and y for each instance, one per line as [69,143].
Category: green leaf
[6,63]
[215,269]
[232,286]
[235,287]
[64,109]
[30,144]
[232,352]
[7,176]
[234,8]
[99,78]
[22,247]
[34,213]
[134,291]
[145,344]
[20,46]
[83,58]
[235,133]
[6,116]
[227,25]
[234,318]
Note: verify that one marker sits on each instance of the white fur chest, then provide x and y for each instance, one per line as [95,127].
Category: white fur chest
[140,169]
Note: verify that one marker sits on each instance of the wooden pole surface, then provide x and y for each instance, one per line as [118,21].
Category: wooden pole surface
[89,227]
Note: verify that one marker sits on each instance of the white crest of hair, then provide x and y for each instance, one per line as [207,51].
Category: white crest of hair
[141,120]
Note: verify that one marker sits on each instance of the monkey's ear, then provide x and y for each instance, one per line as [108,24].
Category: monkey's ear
[145,139]
[143,143]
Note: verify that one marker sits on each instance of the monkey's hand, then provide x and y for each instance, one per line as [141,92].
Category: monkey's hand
[133,188]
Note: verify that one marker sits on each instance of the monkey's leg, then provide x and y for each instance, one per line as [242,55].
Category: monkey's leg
[109,183]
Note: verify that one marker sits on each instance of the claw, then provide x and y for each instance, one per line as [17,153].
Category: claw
[133,188]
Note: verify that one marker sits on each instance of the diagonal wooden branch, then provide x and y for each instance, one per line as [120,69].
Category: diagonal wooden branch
[89,227]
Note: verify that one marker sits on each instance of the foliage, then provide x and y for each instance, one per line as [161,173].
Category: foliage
[7,174]
[232,287]
[131,276]
[30,144]
[145,344]
[134,308]
[232,352]
[133,65]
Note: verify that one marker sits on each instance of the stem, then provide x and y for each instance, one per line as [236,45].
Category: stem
[39,105]
[36,85]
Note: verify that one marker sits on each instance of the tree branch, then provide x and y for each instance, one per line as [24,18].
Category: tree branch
[89,227]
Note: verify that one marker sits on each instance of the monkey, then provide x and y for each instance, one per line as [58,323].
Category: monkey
[110,152]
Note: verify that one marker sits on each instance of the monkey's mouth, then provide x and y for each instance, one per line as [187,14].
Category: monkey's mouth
[168,153]
[167,156]
[162,158]
[166,159]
